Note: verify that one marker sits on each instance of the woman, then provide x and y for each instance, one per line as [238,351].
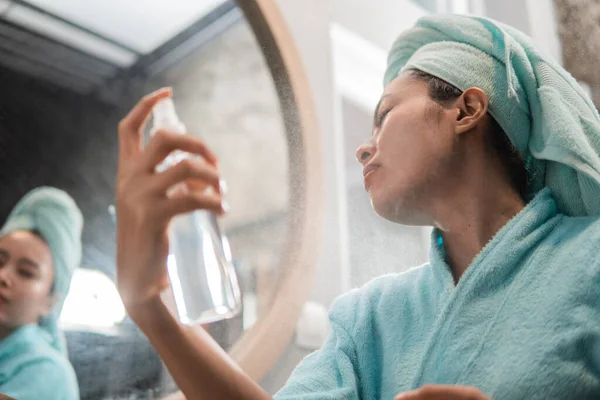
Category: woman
[478,135]
[40,246]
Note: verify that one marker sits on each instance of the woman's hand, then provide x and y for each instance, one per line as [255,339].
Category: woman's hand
[443,392]
[145,206]
[144,209]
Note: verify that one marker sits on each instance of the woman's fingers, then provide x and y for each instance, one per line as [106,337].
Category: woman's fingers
[443,392]
[190,201]
[165,142]
[198,185]
[131,127]
[194,173]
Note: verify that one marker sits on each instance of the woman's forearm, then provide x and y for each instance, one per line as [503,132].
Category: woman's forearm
[201,369]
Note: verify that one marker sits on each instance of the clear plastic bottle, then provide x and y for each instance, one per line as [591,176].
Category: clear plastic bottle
[202,277]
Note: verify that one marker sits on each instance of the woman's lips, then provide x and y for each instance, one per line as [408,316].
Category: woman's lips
[368,174]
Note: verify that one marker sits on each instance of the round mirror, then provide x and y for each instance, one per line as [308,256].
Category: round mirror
[70,70]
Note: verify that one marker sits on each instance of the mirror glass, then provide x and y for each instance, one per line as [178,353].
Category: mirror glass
[69,71]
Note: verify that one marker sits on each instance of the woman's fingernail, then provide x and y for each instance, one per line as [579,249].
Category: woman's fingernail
[223,188]
[161,90]
[225,207]
[112,211]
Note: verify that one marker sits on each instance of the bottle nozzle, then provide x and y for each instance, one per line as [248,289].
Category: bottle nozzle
[165,117]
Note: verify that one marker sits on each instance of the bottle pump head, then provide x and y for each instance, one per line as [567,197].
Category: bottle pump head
[165,117]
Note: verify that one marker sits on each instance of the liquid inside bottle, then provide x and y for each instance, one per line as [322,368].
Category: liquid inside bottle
[201,273]
[202,277]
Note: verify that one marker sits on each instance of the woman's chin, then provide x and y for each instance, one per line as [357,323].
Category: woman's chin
[390,210]
[398,210]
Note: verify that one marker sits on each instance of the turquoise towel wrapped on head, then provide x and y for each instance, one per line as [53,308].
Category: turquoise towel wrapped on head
[541,107]
[523,321]
[33,358]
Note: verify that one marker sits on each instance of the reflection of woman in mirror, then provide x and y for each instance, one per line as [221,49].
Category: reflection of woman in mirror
[40,246]
[478,135]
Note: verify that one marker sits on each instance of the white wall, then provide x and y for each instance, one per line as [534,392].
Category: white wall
[536,18]
[378,21]
[309,22]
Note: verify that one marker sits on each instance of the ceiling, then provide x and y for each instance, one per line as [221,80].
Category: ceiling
[142,25]
[87,46]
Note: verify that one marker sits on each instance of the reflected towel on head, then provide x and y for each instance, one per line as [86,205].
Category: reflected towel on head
[541,107]
[55,216]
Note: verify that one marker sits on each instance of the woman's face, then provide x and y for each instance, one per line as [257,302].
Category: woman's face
[410,152]
[26,278]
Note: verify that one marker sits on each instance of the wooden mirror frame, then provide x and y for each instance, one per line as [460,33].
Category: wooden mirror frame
[259,348]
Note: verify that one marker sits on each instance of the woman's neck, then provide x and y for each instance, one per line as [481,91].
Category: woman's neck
[470,221]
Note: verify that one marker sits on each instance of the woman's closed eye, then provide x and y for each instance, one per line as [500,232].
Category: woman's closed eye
[380,118]
[27,274]
[28,269]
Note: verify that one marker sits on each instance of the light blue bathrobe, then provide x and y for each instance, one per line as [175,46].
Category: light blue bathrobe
[32,369]
[522,323]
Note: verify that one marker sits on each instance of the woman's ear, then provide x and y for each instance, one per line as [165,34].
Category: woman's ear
[472,106]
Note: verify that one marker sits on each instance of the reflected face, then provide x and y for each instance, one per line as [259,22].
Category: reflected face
[409,153]
[26,278]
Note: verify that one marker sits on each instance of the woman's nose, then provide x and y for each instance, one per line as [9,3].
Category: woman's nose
[5,280]
[364,153]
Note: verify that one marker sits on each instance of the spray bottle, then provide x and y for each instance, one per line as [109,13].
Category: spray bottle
[202,277]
